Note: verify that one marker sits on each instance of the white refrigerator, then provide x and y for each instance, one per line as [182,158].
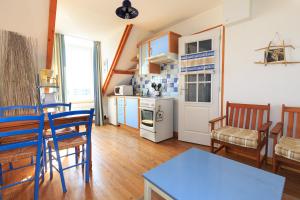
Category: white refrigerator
[112,110]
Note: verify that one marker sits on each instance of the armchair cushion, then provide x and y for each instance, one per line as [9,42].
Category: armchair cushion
[289,148]
[237,136]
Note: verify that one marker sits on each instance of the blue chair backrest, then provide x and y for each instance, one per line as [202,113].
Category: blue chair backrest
[55,127]
[56,105]
[36,131]
[4,109]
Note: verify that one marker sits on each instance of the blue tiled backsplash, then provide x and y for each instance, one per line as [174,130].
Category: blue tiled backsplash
[168,79]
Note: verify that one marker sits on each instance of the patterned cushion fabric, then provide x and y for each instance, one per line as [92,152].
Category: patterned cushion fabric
[237,136]
[289,148]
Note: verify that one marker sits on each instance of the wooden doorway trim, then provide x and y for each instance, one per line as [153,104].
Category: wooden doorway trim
[51,32]
[222,60]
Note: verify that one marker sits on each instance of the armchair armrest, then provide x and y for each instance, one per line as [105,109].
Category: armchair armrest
[217,119]
[277,129]
[213,121]
[265,127]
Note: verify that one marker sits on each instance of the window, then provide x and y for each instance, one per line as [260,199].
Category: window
[79,70]
[198,88]
[191,48]
[198,47]
[204,88]
[204,45]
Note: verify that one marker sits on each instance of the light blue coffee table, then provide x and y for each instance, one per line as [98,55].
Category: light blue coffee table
[196,175]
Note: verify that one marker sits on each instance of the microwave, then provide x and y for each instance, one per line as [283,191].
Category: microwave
[124,90]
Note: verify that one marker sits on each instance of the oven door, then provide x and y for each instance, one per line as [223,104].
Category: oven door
[148,119]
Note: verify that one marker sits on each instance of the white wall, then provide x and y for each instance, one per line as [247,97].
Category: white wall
[108,49]
[199,22]
[29,18]
[250,83]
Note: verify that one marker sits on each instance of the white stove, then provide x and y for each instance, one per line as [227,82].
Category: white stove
[156,118]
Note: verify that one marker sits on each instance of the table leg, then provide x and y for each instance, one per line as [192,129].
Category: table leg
[148,187]
[147,190]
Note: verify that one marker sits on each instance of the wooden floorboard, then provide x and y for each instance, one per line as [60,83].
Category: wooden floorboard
[120,157]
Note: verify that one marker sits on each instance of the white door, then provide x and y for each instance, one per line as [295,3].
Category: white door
[199,85]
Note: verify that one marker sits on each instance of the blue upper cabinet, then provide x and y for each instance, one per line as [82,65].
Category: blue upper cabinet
[162,44]
[159,46]
[121,114]
[132,112]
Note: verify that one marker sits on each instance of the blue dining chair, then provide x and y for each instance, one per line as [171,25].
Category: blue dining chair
[25,108]
[74,139]
[56,106]
[20,150]
[47,133]
[33,109]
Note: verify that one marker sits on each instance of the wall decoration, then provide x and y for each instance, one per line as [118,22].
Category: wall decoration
[18,69]
[275,53]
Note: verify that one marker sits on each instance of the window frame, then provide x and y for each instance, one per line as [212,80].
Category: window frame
[197,82]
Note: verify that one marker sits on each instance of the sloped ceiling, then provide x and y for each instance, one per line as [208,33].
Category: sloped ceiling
[96,19]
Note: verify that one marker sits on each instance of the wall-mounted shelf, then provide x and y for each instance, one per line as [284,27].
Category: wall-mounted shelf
[279,63]
[276,46]
[119,71]
[49,88]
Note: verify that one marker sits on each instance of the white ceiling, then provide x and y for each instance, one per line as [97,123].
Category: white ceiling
[96,19]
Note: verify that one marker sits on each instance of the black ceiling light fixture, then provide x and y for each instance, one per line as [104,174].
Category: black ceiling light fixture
[126,11]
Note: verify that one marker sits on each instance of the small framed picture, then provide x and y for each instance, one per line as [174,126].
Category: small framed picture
[274,55]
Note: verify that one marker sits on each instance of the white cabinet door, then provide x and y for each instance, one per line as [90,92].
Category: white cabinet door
[112,110]
[199,89]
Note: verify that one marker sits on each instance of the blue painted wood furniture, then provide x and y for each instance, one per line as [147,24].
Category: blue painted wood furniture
[132,112]
[28,109]
[146,66]
[196,174]
[159,45]
[25,108]
[166,43]
[57,107]
[20,150]
[121,114]
[70,140]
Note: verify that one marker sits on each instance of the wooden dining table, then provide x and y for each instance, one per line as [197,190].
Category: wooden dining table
[34,124]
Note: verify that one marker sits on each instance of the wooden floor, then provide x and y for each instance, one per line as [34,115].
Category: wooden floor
[120,157]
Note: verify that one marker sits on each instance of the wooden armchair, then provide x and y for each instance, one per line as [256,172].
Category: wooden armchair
[246,130]
[286,149]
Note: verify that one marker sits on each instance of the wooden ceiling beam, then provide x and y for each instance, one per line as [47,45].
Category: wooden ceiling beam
[118,54]
[123,72]
[51,32]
